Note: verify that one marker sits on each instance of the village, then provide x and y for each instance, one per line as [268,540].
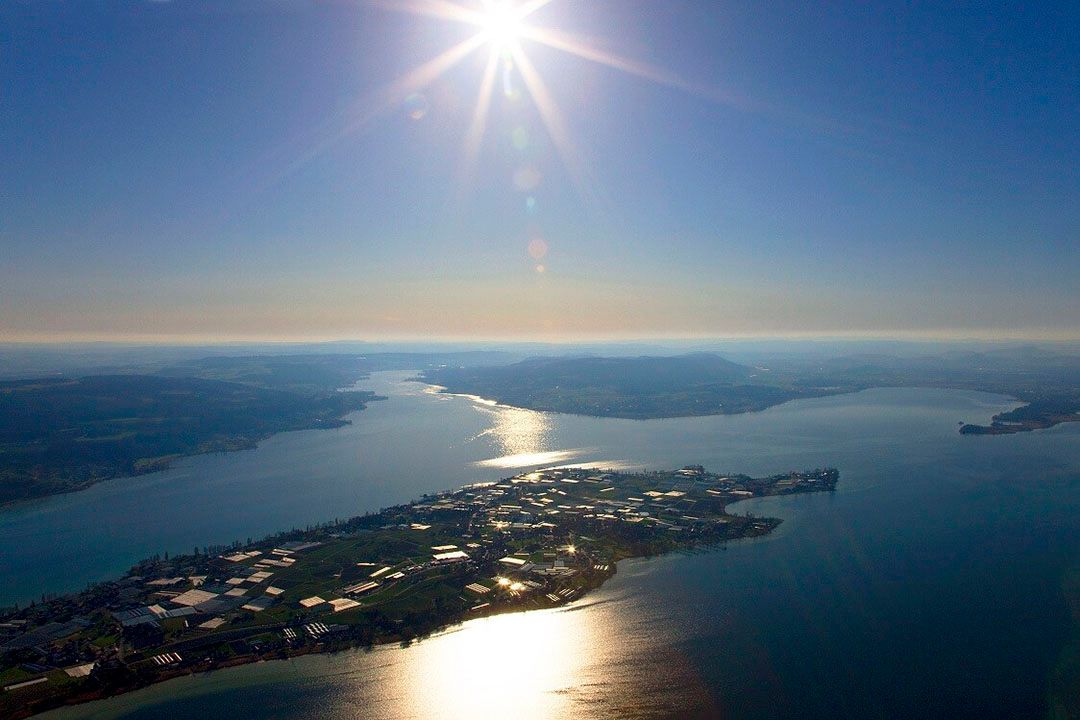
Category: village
[537,540]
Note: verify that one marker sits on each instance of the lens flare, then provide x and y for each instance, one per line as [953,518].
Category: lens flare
[416,106]
[538,248]
[520,138]
[527,178]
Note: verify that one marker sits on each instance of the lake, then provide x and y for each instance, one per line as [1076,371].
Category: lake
[928,584]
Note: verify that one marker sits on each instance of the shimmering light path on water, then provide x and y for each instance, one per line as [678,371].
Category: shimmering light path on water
[928,585]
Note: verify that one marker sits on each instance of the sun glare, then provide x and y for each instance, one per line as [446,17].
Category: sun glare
[501,24]
[507,28]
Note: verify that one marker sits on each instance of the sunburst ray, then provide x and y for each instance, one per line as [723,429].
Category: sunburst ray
[363,111]
[552,118]
[477,127]
[440,9]
[528,8]
[576,46]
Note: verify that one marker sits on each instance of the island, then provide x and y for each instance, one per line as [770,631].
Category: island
[541,539]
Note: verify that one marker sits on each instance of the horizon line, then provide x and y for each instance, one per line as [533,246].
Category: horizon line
[168,340]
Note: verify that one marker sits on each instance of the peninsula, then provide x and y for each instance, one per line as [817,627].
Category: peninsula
[704,383]
[637,388]
[536,540]
[1040,413]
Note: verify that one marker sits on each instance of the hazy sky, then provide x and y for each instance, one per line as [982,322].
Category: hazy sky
[235,169]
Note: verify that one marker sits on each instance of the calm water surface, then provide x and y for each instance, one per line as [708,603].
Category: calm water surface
[927,585]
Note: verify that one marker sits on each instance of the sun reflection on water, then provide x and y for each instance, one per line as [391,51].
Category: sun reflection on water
[523,460]
[522,666]
[521,437]
[518,431]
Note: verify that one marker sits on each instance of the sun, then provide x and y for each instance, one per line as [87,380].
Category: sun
[501,23]
[506,29]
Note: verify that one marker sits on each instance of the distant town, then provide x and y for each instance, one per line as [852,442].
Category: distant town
[538,540]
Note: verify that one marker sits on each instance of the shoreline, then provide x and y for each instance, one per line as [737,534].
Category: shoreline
[237,443]
[510,566]
[381,644]
[201,471]
[994,428]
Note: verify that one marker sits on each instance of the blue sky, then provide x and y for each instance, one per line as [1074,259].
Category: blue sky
[248,170]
